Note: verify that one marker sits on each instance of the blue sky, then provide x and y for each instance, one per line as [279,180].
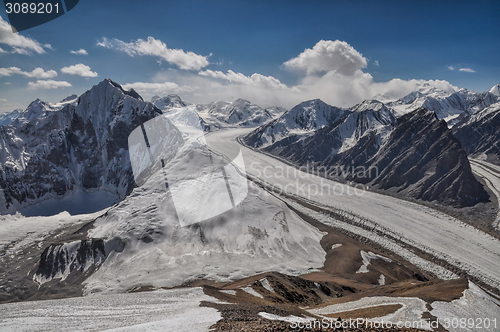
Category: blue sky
[366,45]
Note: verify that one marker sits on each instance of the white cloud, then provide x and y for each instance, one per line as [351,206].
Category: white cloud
[155,47]
[48,84]
[328,55]
[451,68]
[3,100]
[153,88]
[332,86]
[467,70]
[36,73]
[79,69]
[80,52]
[19,43]
[2,50]
[376,63]
[255,79]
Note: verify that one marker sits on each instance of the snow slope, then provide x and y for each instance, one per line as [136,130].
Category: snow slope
[475,304]
[162,310]
[495,90]
[7,118]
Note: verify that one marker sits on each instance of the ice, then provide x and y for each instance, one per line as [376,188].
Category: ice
[251,291]
[411,310]
[261,234]
[367,257]
[288,319]
[491,176]
[18,232]
[381,280]
[474,304]
[162,310]
[265,283]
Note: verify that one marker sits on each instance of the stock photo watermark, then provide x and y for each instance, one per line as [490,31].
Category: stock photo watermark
[298,184]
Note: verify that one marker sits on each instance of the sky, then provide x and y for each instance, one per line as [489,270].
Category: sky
[273,53]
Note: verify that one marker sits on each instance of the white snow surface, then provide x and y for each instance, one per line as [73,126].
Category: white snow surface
[261,234]
[495,90]
[491,175]
[162,310]
[288,319]
[447,106]
[367,257]
[381,280]
[430,230]
[240,113]
[265,283]
[474,304]
[18,232]
[411,310]
[252,291]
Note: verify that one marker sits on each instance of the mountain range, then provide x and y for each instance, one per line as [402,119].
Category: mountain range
[403,147]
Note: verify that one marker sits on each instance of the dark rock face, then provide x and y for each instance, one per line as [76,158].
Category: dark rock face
[59,260]
[51,152]
[480,133]
[415,155]
[424,160]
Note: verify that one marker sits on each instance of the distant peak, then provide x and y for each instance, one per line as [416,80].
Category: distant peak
[69,98]
[496,90]
[241,101]
[131,93]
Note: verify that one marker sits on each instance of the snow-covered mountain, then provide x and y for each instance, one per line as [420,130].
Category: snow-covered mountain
[237,113]
[479,133]
[295,124]
[168,102]
[142,241]
[414,155]
[80,144]
[7,118]
[448,106]
[495,90]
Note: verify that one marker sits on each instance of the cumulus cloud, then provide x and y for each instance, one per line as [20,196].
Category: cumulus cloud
[19,43]
[79,69]
[80,52]
[451,68]
[155,47]
[255,79]
[48,84]
[341,83]
[467,70]
[36,73]
[153,88]
[328,55]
